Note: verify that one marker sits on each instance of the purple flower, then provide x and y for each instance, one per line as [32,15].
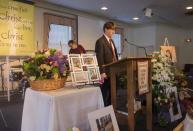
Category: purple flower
[61,61]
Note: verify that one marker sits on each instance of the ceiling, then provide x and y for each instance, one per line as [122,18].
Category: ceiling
[168,11]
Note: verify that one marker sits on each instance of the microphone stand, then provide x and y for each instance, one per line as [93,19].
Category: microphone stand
[130,43]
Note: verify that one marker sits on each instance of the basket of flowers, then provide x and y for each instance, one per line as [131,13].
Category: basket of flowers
[47,69]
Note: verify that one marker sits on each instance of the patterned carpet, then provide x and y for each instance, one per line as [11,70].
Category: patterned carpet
[12,112]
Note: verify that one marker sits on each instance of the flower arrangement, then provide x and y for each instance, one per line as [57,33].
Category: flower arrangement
[46,64]
[162,78]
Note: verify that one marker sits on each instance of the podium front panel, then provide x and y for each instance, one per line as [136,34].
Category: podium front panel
[121,93]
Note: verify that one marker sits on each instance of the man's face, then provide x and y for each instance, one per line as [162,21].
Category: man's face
[73,45]
[109,32]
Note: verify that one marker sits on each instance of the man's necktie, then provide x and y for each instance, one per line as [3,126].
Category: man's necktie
[113,50]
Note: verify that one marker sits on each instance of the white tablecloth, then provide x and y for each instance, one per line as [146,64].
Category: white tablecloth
[188,124]
[59,110]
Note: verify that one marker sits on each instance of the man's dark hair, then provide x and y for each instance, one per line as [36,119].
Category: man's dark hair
[71,42]
[109,25]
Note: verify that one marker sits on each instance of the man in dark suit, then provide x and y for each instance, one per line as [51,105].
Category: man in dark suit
[106,53]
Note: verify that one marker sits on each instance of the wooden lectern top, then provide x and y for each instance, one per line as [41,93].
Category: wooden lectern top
[126,59]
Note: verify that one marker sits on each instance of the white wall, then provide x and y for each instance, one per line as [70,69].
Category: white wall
[89,26]
[144,36]
[89,30]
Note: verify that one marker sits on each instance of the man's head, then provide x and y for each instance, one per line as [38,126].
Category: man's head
[72,44]
[109,29]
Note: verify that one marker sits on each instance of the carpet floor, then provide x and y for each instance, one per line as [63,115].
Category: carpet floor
[12,112]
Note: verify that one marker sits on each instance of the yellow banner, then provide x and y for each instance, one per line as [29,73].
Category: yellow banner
[16,28]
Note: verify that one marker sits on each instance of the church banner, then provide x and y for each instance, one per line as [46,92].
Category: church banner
[16,28]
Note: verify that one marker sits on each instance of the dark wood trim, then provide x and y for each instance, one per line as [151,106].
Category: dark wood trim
[62,16]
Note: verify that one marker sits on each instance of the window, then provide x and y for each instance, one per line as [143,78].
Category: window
[58,30]
[118,39]
[59,36]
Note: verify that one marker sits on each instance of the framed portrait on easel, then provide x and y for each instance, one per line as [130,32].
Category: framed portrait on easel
[168,50]
[84,68]
[174,109]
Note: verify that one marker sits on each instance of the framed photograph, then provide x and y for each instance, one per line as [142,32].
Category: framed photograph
[76,64]
[73,55]
[72,77]
[170,52]
[143,85]
[103,120]
[93,73]
[80,77]
[89,59]
[70,60]
[175,111]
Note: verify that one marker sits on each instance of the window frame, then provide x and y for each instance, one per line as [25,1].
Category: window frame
[70,20]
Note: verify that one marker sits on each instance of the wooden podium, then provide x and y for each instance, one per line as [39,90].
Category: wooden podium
[124,96]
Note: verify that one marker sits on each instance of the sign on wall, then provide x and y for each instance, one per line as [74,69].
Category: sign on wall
[16,28]
[143,77]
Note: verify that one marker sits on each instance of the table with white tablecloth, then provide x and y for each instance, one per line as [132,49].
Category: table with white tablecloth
[59,110]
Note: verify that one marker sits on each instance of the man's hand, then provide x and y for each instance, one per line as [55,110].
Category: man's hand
[103,76]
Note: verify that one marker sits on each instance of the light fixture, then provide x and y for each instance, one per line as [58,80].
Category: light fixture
[188,40]
[189,7]
[135,18]
[104,8]
[148,12]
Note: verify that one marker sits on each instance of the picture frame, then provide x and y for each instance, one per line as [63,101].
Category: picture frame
[72,56]
[76,64]
[93,73]
[89,60]
[103,120]
[170,52]
[80,77]
[174,110]
[142,74]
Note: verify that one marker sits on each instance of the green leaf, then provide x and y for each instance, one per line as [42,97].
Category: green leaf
[52,51]
[55,70]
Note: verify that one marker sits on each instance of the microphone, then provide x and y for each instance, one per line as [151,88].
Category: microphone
[130,43]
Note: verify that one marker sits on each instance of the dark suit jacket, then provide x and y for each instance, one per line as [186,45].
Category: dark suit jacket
[104,53]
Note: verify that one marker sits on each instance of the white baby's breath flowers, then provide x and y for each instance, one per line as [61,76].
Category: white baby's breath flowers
[162,75]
